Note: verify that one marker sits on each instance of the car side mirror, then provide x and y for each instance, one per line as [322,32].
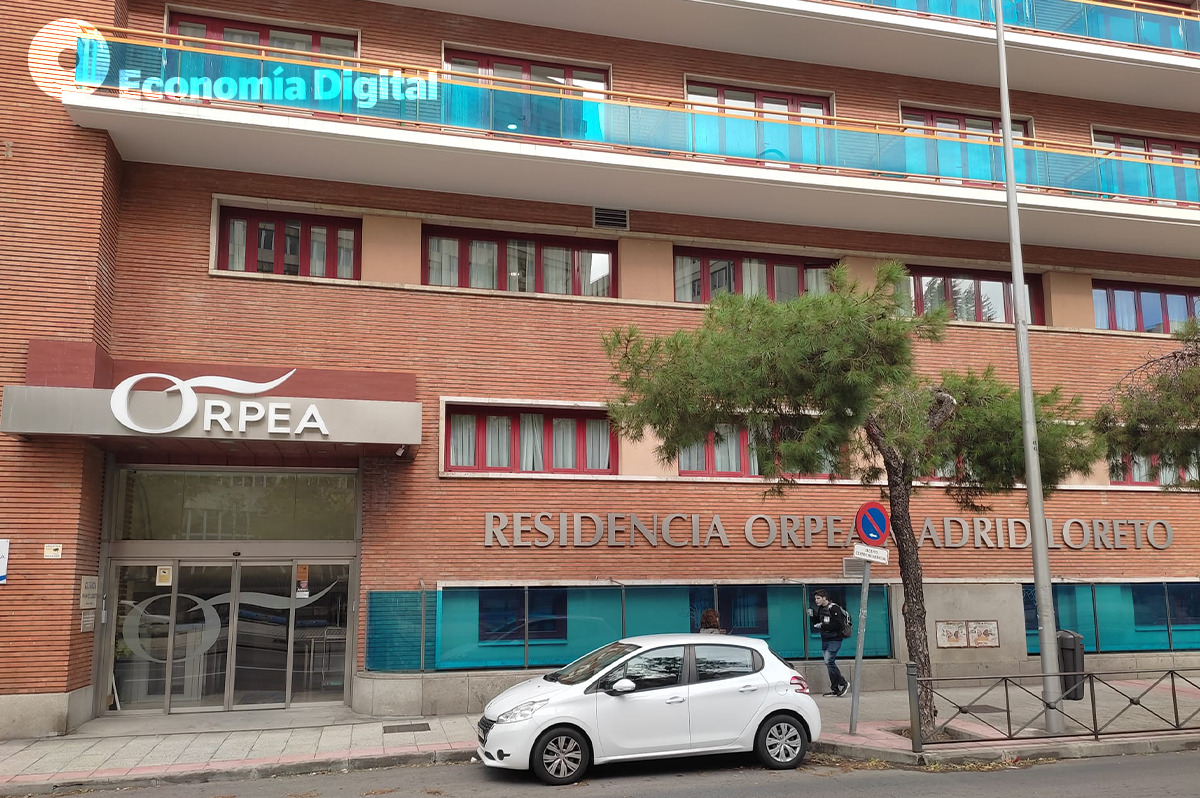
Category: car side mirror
[622,686]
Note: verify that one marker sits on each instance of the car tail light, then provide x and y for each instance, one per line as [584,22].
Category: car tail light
[799,683]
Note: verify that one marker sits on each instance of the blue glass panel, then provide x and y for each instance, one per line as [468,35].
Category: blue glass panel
[657,610]
[878,642]
[1133,617]
[1029,601]
[1075,612]
[394,630]
[786,620]
[1183,602]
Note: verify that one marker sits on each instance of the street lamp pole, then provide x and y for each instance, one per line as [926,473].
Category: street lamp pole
[1047,631]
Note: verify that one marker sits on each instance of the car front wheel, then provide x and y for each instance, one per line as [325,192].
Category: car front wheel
[560,756]
[781,742]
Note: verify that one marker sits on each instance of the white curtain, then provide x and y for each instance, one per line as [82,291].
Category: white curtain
[692,458]
[728,450]
[443,261]
[316,252]
[816,281]
[564,443]
[462,440]
[345,255]
[499,441]
[237,245]
[598,440]
[484,257]
[532,435]
[556,270]
[754,276]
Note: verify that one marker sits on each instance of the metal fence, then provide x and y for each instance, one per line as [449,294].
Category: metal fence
[1000,708]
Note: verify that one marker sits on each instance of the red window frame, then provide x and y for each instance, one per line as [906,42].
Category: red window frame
[707,256]
[549,416]
[1020,126]
[214,27]
[252,217]
[1034,281]
[465,236]
[1191,298]
[710,460]
[1120,140]
[487,61]
[795,101]
[1125,477]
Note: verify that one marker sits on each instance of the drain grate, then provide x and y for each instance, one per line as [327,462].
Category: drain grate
[406,727]
[973,709]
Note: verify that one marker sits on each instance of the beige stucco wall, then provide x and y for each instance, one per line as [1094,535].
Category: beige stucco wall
[391,250]
[1068,300]
[862,270]
[638,459]
[646,269]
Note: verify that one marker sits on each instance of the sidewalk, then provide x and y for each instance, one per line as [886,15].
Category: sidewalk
[150,749]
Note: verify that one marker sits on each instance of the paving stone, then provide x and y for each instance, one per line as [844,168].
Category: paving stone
[334,739]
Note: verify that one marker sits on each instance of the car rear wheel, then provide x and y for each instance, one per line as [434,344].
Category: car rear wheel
[560,756]
[781,743]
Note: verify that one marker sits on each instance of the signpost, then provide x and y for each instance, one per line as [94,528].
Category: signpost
[873,528]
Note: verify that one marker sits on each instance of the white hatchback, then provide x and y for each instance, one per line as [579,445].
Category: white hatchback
[649,697]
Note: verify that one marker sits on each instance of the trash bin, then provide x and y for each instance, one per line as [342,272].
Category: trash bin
[1070,663]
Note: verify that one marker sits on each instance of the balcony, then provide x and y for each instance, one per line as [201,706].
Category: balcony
[226,106]
[1124,52]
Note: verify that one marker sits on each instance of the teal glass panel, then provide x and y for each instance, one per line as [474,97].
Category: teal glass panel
[1075,612]
[1133,617]
[787,622]
[657,610]
[1183,602]
[706,133]
[878,643]
[592,619]
[478,628]
[394,629]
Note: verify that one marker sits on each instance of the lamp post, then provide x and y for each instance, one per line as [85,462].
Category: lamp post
[1047,631]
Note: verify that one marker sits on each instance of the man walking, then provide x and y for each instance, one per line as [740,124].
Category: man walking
[830,621]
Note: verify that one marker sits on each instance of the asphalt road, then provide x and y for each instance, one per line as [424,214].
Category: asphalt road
[1160,775]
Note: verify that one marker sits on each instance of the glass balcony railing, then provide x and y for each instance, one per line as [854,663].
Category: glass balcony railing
[214,74]
[1143,24]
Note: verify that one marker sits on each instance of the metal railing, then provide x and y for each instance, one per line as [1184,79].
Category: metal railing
[1133,24]
[158,67]
[1007,708]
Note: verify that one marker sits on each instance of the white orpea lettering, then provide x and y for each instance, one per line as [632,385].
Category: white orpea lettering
[218,411]
[248,412]
[279,416]
[312,420]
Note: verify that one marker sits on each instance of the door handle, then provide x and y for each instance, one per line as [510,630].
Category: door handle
[747,689]
[675,700]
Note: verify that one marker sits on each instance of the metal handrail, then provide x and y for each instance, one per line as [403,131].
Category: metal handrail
[1020,727]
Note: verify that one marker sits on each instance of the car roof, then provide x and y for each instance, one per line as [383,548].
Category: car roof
[694,638]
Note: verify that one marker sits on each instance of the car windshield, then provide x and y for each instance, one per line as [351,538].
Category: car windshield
[589,665]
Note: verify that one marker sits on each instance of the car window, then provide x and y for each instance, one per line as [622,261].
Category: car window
[662,667]
[723,662]
[589,665]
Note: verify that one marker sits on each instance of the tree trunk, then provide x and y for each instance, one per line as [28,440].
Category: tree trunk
[916,633]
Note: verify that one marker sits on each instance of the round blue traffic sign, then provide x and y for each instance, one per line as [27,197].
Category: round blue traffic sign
[872,524]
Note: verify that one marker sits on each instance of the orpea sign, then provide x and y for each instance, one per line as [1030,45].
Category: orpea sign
[698,530]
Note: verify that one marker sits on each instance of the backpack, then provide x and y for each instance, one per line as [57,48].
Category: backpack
[847,626]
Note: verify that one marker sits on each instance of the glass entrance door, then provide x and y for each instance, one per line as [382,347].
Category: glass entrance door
[229,635]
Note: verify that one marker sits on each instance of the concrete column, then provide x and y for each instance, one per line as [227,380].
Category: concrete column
[391,250]
[645,269]
[1068,300]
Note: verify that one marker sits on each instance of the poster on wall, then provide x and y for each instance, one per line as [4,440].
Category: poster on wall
[3,560]
[983,634]
[951,634]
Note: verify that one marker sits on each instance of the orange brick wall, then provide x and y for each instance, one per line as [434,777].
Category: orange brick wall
[58,193]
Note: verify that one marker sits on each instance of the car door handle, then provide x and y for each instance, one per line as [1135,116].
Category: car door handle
[675,700]
[747,689]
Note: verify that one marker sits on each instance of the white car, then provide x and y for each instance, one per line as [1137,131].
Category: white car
[649,697]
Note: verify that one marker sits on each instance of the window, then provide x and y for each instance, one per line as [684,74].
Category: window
[532,441]
[520,263]
[1151,167]
[660,667]
[525,110]
[960,147]
[742,608]
[502,614]
[243,32]
[730,452]
[766,135]
[971,296]
[700,275]
[289,243]
[1136,470]
[724,662]
[1143,308]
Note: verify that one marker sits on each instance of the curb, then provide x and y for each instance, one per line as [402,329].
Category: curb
[204,775]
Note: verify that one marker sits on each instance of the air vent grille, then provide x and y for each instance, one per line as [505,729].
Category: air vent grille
[610,218]
[852,566]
